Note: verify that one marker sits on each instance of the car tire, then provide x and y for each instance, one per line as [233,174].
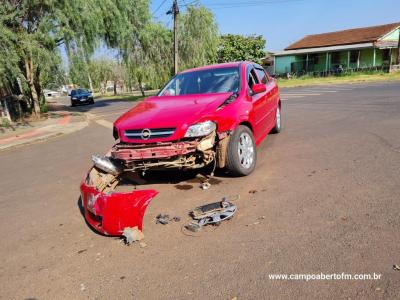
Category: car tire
[278,121]
[91,101]
[241,153]
[72,104]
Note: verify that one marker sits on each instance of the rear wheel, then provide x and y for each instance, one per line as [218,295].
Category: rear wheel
[278,120]
[242,154]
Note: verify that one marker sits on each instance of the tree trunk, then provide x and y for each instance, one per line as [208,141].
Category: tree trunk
[35,107]
[141,88]
[115,87]
[90,82]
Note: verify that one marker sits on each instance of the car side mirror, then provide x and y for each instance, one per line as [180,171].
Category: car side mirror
[258,88]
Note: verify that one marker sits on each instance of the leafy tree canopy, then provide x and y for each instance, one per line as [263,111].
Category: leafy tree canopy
[235,47]
[198,38]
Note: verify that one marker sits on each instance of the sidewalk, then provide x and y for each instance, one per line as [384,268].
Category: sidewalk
[58,122]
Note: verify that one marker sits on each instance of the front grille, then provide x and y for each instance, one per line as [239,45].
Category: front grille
[149,133]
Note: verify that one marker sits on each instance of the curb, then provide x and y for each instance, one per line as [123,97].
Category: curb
[63,126]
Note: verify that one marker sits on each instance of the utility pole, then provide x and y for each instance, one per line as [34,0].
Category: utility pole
[175,12]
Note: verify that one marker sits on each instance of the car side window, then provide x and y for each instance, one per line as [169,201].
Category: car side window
[262,76]
[252,78]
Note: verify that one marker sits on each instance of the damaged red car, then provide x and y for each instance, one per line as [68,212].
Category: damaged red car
[209,115]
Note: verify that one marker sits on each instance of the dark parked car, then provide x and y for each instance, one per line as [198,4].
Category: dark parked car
[81,96]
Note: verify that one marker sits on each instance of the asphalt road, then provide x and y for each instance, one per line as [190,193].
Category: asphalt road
[325,199]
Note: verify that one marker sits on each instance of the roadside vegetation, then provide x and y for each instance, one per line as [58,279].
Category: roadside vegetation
[339,79]
[37,36]
[122,97]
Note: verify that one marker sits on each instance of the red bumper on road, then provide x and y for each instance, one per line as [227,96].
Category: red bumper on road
[110,213]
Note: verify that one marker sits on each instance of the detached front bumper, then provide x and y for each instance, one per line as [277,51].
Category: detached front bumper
[109,213]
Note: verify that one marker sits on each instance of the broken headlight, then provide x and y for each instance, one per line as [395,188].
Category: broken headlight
[201,129]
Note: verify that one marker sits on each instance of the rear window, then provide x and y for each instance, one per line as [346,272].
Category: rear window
[78,91]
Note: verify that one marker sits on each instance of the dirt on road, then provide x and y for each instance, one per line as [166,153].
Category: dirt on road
[324,198]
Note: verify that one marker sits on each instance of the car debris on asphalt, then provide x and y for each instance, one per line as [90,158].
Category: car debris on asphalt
[165,219]
[212,213]
[132,235]
[205,185]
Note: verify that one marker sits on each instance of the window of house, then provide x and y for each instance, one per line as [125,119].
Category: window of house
[385,54]
[335,58]
[353,56]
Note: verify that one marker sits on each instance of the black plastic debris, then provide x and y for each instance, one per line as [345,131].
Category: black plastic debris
[165,219]
[212,213]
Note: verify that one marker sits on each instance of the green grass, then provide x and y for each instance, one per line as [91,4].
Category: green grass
[123,97]
[343,79]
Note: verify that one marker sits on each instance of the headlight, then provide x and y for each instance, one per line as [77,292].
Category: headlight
[74,98]
[201,129]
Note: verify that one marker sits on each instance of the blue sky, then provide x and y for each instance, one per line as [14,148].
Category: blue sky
[282,22]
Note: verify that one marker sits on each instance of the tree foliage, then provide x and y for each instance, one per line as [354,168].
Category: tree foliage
[148,58]
[33,29]
[234,47]
[198,38]
[32,32]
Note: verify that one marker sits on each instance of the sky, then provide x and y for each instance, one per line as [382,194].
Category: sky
[282,22]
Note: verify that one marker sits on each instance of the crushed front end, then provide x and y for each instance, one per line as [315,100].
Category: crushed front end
[184,154]
[110,212]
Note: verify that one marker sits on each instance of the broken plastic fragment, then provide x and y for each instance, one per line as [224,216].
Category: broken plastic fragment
[132,235]
[212,213]
[205,185]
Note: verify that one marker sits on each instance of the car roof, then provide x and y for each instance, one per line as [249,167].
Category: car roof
[217,66]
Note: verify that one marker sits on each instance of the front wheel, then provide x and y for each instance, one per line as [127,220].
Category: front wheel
[278,120]
[242,154]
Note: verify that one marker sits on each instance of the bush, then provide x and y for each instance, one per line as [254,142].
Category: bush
[5,123]
[43,107]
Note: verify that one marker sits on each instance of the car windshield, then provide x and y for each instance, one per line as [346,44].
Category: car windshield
[218,80]
[78,91]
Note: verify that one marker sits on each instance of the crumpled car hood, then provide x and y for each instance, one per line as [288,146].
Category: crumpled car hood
[169,112]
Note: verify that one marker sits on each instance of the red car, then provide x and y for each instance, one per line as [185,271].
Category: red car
[210,115]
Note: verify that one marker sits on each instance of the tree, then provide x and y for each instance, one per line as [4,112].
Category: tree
[148,58]
[101,71]
[33,29]
[198,38]
[234,47]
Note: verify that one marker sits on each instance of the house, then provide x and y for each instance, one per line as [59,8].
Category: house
[375,47]
[268,62]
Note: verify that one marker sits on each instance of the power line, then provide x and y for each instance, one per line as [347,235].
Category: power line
[246,4]
[156,10]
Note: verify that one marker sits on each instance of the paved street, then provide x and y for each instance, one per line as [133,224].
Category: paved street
[325,199]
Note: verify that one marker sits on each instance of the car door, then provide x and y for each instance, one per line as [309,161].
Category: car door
[259,104]
[270,97]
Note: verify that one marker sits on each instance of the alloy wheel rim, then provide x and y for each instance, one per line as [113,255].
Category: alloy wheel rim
[278,118]
[246,150]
